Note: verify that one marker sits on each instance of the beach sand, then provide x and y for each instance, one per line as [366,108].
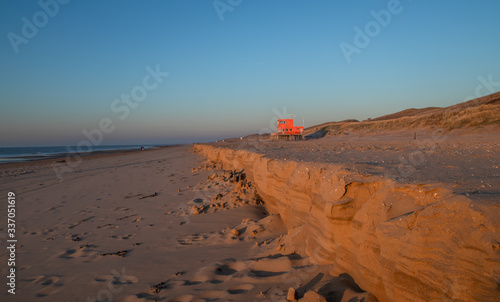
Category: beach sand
[331,219]
[145,226]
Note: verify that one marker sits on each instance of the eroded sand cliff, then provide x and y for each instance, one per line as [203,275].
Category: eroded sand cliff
[398,241]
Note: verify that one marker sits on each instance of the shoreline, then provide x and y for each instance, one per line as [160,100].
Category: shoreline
[53,159]
[34,157]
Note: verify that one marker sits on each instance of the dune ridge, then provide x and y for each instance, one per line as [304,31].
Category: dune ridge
[399,242]
[477,113]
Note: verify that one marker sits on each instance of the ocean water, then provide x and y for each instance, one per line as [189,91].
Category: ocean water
[19,154]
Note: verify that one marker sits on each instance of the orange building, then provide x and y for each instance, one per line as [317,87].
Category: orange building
[286,130]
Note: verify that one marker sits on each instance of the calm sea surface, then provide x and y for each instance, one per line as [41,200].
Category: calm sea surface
[18,154]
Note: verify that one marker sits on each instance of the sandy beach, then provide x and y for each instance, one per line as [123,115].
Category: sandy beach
[170,224]
[157,225]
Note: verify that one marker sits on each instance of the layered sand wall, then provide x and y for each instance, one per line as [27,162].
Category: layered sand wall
[400,242]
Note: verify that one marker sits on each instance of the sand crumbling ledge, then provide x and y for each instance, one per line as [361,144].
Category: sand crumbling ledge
[399,242]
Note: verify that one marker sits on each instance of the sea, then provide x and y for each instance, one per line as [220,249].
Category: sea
[20,154]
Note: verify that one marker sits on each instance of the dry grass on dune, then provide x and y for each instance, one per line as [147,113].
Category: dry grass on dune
[405,113]
[480,112]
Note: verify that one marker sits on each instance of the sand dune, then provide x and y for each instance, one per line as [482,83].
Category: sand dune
[478,113]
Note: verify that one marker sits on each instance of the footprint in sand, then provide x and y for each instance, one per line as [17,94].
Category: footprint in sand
[125,237]
[212,238]
[229,278]
[53,208]
[192,238]
[121,208]
[240,289]
[49,284]
[117,278]
[219,272]
[76,237]
[213,274]
[48,231]
[86,253]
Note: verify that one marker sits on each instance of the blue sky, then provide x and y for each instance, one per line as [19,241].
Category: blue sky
[233,64]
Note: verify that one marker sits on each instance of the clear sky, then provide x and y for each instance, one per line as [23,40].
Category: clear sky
[233,65]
